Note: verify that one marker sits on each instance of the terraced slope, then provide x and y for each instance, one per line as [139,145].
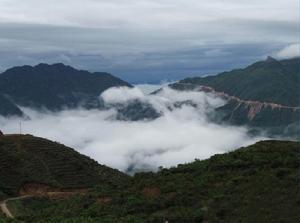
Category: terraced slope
[32,163]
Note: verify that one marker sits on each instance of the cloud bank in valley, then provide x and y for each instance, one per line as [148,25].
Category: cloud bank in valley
[180,135]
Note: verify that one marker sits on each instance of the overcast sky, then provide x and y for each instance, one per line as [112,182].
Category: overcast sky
[145,40]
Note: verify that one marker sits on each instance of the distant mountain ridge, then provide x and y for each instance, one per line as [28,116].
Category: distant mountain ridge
[52,87]
[270,81]
[263,95]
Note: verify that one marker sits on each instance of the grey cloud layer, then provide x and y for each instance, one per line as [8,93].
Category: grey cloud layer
[119,36]
[144,14]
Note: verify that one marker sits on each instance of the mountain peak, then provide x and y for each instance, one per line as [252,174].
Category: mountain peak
[55,65]
[271,59]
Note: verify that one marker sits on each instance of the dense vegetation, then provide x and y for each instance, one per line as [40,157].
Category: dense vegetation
[265,81]
[258,183]
[53,87]
[27,159]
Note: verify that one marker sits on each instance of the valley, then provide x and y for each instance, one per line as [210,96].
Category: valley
[149,111]
[162,160]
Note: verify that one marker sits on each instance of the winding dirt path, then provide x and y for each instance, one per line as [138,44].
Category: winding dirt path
[5,209]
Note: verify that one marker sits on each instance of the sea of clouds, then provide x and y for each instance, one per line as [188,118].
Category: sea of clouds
[181,134]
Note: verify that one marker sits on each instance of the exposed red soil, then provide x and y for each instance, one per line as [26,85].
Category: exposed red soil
[104,200]
[254,107]
[151,192]
[43,190]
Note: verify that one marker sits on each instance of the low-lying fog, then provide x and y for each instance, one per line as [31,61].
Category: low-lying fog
[180,135]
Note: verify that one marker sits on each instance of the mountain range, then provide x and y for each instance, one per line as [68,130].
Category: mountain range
[45,181]
[263,96]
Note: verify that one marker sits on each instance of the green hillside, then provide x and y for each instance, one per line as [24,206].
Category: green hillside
[26,159]
[263,96]
[258,183]
[264,81]
[53,87]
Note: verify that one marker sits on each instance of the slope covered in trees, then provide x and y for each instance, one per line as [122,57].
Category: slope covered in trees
[258,183]
[30,163]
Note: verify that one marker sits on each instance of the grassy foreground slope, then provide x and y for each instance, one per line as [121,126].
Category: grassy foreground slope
[259,183]
[25,159]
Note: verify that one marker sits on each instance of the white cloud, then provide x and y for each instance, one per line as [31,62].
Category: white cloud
[179,136]
[121,95]
[290,51]
[164,99]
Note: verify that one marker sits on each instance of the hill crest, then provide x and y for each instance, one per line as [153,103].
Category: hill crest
[26,161]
